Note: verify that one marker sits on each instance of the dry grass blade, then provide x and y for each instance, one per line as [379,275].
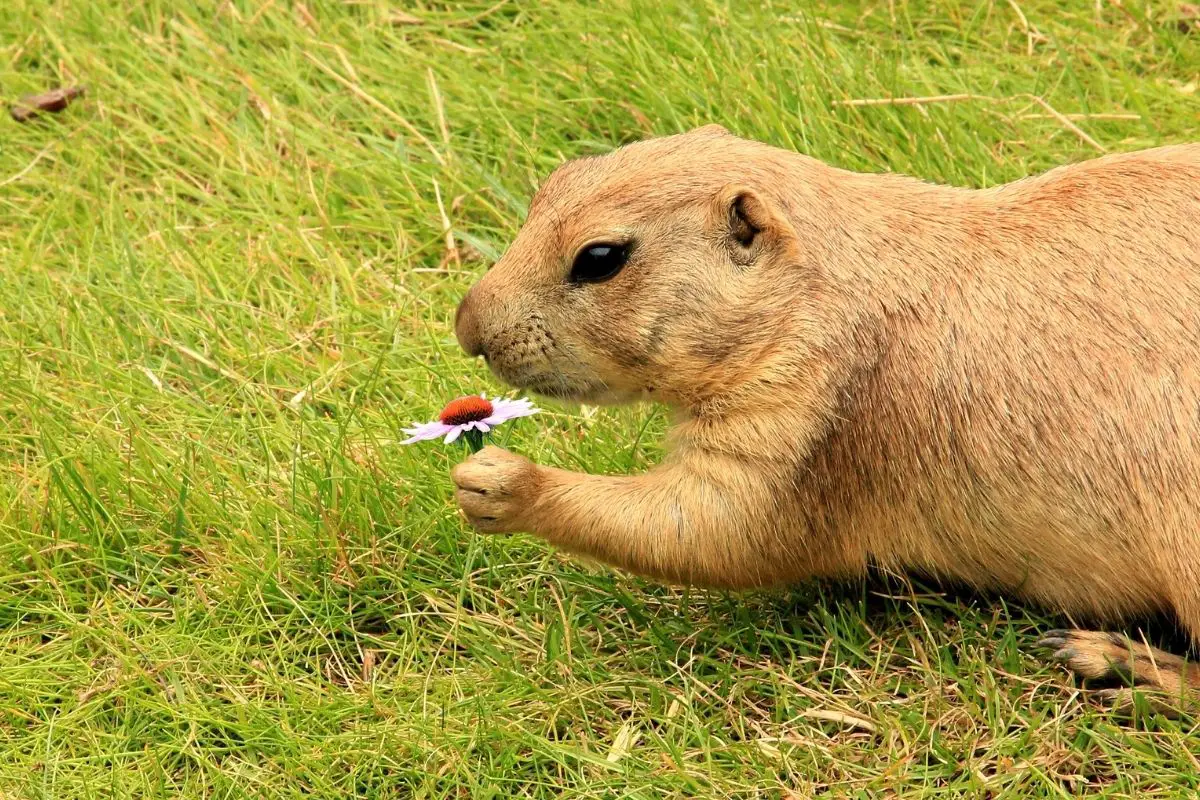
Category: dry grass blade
[842,718]
[955,98]
[224,372]
[405,18]
[911,101]
[1067,123]
[362,94]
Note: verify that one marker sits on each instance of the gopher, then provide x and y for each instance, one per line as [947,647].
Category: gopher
[998,387]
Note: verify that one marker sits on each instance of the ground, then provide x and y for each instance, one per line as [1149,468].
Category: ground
[228,274]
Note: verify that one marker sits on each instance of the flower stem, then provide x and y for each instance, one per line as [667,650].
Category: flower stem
[474,440]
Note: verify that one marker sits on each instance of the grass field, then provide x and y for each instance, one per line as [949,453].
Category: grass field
[227,281]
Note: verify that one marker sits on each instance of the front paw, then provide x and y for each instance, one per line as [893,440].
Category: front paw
[496,490]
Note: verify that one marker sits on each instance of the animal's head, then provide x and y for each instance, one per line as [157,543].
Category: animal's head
[649,271]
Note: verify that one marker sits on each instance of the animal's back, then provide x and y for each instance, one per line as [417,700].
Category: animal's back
[1034,422]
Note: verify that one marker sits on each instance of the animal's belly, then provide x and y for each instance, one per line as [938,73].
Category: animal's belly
[1070,557]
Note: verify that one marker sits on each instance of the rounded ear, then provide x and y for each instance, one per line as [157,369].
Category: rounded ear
[712,129]
[749,222]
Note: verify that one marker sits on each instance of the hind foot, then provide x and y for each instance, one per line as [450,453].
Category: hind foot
[1115,658]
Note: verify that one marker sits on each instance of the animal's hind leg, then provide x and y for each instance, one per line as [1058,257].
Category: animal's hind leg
[1115,658]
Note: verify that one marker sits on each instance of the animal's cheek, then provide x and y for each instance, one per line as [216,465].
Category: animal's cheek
[518,358]
[527,341]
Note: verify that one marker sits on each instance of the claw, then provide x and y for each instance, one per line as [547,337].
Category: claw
[1053,642]
[1064,654]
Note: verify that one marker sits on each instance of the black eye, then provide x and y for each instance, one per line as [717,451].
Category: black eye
[599,262]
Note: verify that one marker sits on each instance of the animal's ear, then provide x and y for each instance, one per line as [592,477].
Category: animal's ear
[712,130]
[747,220]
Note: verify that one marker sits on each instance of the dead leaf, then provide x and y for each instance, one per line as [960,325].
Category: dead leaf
[769,750]
[53,101]
[95,689]
[1188,18]
[623,742]
[469,254]
[297,399]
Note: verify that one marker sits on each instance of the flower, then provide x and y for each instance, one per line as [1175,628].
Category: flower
[473,415]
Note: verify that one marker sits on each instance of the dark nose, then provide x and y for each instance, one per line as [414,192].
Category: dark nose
[466,326]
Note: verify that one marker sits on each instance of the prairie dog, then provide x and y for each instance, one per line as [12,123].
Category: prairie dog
[997,386]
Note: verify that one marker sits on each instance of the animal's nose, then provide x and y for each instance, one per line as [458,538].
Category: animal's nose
[466,326]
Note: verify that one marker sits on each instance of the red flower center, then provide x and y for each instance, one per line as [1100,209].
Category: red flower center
[465,409]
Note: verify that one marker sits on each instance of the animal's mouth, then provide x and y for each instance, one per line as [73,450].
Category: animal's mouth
[546,380]
[561,388]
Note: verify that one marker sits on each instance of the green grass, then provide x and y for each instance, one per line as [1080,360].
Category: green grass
[225,287]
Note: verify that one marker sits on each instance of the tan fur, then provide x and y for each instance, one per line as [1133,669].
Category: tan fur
[995,386]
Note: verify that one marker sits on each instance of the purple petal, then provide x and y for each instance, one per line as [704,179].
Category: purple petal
[504,410]
[425,431]
[455,432]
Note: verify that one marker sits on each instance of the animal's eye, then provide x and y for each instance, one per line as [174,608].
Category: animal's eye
[599,262]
